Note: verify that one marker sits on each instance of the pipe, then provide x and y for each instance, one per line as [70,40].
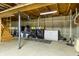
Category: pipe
[44,24]
[0,30]
[38,21]
[76,11]
[70,24]
[10,25]
[76,16]
[19,28]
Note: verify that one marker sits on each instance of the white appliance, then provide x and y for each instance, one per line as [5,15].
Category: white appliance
[51,35]
[77,45]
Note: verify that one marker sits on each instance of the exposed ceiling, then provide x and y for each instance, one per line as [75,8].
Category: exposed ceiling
[34,9]
[4,6]
[62,8]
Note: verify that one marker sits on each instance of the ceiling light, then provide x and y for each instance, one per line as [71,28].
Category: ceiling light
[45,13]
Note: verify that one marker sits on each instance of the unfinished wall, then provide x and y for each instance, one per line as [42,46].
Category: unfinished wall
[76,32]
[61,23]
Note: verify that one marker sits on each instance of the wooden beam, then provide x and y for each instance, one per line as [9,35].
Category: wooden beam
[68,8]
[3,6]
[33,13]
[30,13]
[6,5]
[57,8]
[22,8]
[48,8]
[38,11]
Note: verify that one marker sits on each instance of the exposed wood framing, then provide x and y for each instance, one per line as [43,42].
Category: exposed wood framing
[3,6]
[57,8]
[22,8]
[6,5]
[68,9]
[33,13]
[48,8]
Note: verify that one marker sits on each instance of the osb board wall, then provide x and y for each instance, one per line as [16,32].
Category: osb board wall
[6,35]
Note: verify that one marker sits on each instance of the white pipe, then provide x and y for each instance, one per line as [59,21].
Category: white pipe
[52,22]
[70,23]
[0,30]
[64,25]
[44,24]
[38,22]
[76,16]
[76,11]
[19,28]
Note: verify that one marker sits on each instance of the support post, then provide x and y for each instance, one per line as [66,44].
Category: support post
[75,16]
[64,26]
[75,19]
[52,22]
[38,22]
[70,42]
[19,30]
[70,24]
[10,24]
[0,29]
[44,24]
[76,11]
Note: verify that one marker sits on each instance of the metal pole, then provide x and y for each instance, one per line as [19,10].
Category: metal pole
[65,26]
[70,24]
[10,24]
[0,30]
[44,24]
[52,22]
[19,28]
[75,16]
[70,42]
[76,11]
[38,22]
[75,21]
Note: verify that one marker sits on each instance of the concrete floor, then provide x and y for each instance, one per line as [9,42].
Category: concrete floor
[33,48]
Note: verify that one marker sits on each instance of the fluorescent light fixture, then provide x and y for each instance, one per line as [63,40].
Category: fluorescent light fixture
[45,13]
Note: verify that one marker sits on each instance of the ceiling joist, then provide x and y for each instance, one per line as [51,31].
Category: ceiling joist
[57,6]
[68,8]
[6,5]
[3,6]
[34,9]
[22,8]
